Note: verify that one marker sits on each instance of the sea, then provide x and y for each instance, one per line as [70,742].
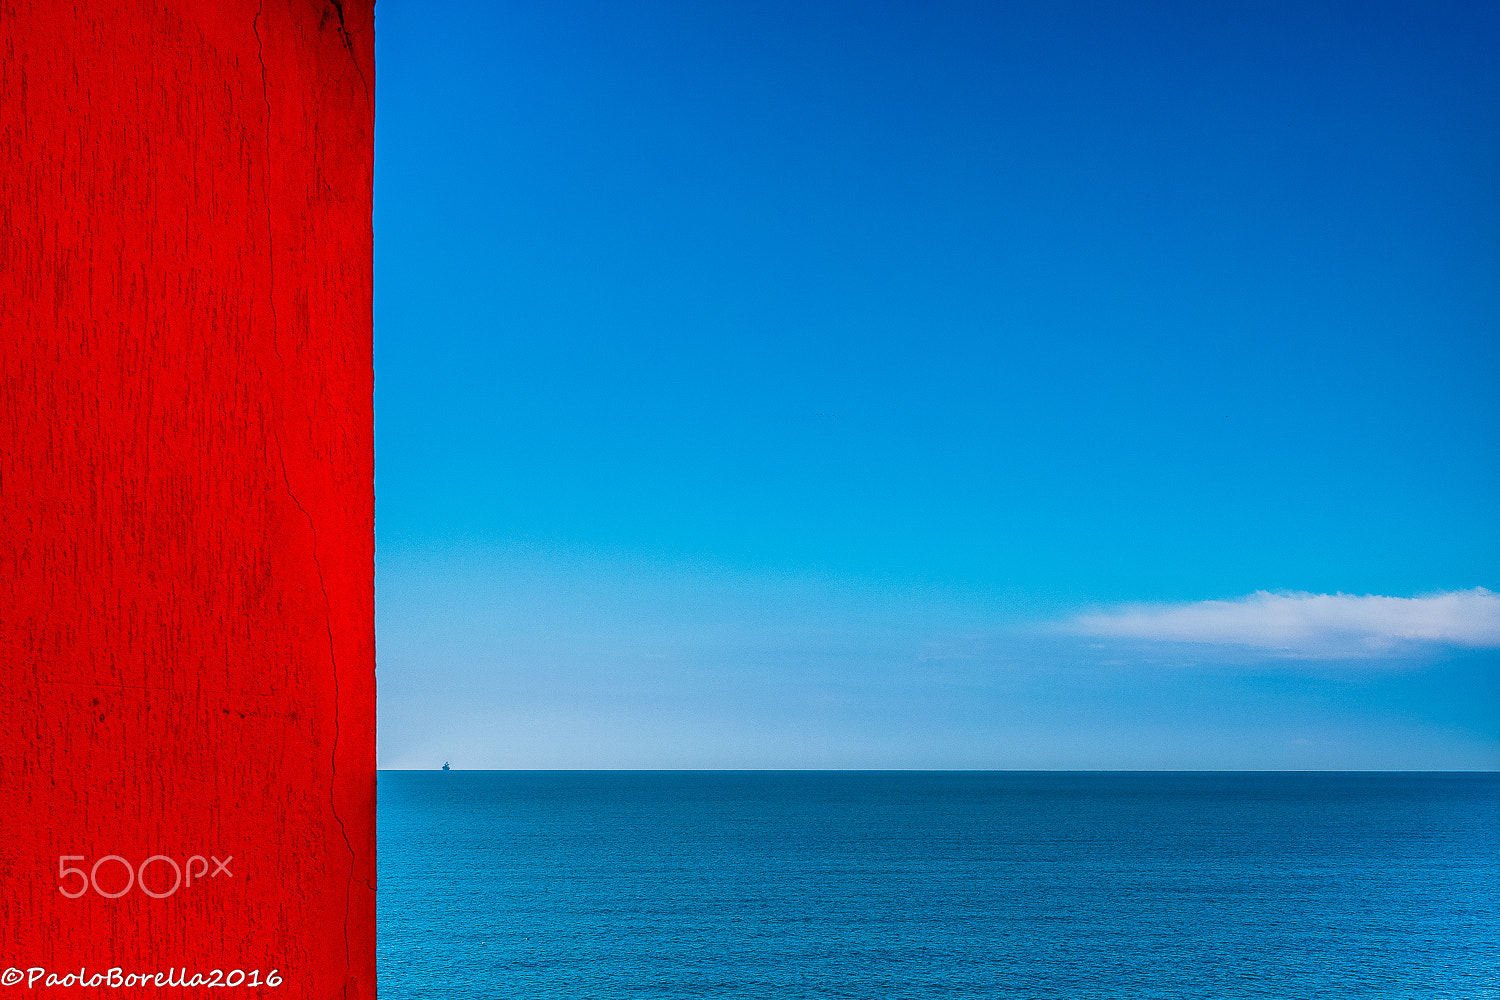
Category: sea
[893,884]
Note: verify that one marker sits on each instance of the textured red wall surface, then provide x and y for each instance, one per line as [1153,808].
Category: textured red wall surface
[186,491]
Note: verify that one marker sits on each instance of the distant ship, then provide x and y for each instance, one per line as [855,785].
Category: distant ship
[445,765]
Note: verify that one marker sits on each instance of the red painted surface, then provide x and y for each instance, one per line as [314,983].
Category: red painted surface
[186,488]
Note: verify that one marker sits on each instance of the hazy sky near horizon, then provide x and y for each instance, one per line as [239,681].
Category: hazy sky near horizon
[938,385]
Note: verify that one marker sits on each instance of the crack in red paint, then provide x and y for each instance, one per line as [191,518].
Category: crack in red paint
[265,184]
[333,663]
[338,6]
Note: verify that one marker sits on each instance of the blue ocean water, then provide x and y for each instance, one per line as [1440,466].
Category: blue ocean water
[938,884]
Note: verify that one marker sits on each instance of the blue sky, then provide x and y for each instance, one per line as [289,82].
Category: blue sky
[936,385]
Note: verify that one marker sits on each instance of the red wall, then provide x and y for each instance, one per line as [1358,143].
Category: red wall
[186,489]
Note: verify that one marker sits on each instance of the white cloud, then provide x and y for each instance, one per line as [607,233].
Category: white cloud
[1311,626]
